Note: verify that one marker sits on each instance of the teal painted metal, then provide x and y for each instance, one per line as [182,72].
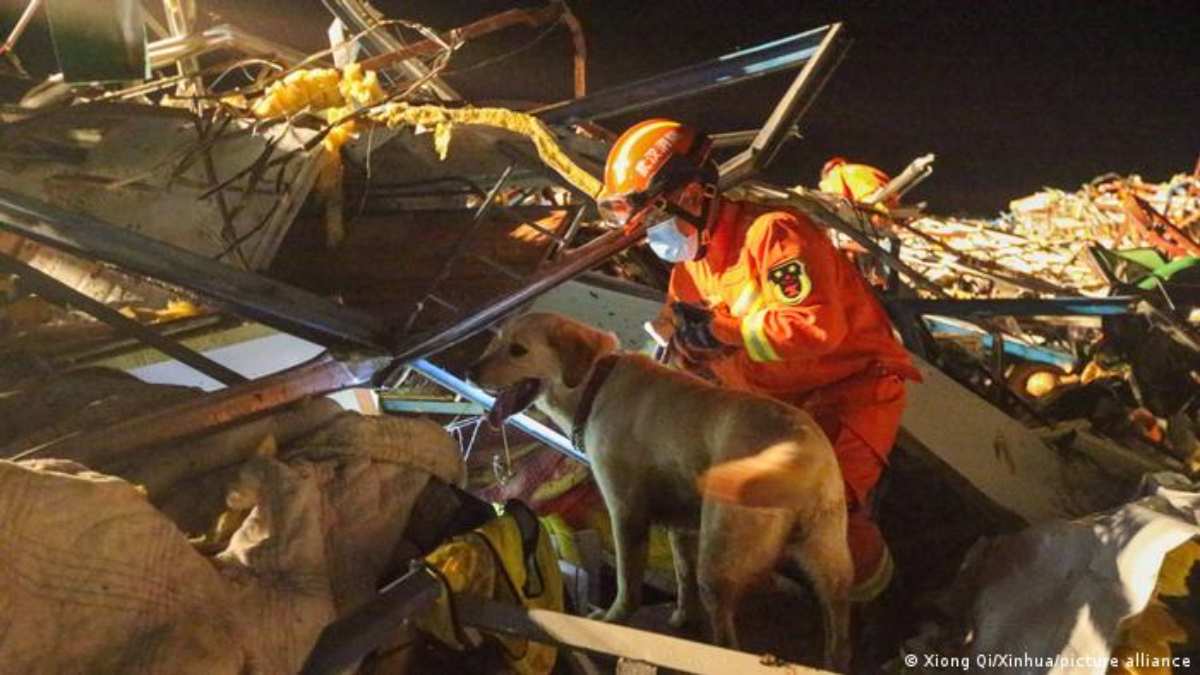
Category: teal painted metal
[534,428]
[1080,306]
[1012,346]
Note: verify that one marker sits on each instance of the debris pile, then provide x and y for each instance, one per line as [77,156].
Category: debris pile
[1121,376]
[1040,244]
[220,188]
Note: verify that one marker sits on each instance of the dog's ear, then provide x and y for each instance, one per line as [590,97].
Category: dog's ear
[577,349]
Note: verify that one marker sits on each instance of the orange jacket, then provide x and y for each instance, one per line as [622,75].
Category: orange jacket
[800,314]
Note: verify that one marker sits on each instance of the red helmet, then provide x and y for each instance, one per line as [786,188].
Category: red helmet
[650,159]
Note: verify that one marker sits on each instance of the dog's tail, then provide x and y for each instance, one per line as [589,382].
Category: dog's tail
[780,476]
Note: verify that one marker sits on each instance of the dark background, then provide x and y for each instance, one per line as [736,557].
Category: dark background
[1011,96]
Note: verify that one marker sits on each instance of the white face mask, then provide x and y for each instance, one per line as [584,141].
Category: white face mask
[670,243]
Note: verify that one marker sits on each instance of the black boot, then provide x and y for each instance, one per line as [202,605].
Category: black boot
[878,628]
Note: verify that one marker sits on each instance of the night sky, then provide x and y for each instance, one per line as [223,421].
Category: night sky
[1011,96]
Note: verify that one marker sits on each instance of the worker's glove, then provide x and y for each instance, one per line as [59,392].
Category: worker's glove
[697,328]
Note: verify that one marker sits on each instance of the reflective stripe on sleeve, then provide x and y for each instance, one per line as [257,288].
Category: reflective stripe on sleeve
[746,300]
[758,346]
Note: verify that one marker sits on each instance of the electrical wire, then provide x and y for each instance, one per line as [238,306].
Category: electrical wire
[509,54]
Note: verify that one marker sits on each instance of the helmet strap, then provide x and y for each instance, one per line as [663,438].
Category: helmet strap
[699,221]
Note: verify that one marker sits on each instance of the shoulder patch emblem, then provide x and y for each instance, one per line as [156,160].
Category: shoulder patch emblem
[789,281]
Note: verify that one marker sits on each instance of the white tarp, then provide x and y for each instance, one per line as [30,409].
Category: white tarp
[1051,599]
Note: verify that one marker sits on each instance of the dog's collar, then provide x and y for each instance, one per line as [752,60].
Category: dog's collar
[600,372]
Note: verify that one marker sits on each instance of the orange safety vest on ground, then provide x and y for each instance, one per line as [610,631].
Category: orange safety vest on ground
[807,318]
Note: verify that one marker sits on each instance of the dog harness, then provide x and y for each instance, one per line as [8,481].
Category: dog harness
[600,373]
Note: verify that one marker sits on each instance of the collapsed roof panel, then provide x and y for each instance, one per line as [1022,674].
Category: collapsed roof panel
[153,169]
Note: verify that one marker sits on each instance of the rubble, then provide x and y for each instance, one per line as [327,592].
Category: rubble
[1118,374]
[1044,237]
[310,527]
[352,198]
[1075,589]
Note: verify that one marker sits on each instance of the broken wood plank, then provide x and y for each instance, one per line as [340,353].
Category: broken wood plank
[662,650]
[320,375]
[989,454]
[1119,460]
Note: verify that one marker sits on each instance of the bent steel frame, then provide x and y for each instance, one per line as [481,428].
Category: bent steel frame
[312,317]
[786,53]
[275,304]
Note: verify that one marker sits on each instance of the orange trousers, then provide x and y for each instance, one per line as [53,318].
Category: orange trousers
[861,416]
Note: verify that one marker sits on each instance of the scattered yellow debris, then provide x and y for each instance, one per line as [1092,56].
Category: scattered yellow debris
[175,309]
[339,94]
[312,88]
[1148,642]
[1147,638]
[1041,384]
[1177,565]
[442,119]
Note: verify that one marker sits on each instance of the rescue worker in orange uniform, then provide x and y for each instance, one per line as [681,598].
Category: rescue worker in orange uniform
[763,301]
[857,182]
[860,183]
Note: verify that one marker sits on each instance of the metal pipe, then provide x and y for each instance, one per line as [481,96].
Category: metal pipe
[164,52]
[318,376]
[563,241]
[430,407]
[521,421]
[735,139]
[177,329]
[278,305]
[916,171]
[799,98]
[181,16]
[491,24]
[569,265]
[22,23]
[1077,306]
[360,17]
[53,290]
[579,42]
[939,325]
[771,57]
[345,642]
